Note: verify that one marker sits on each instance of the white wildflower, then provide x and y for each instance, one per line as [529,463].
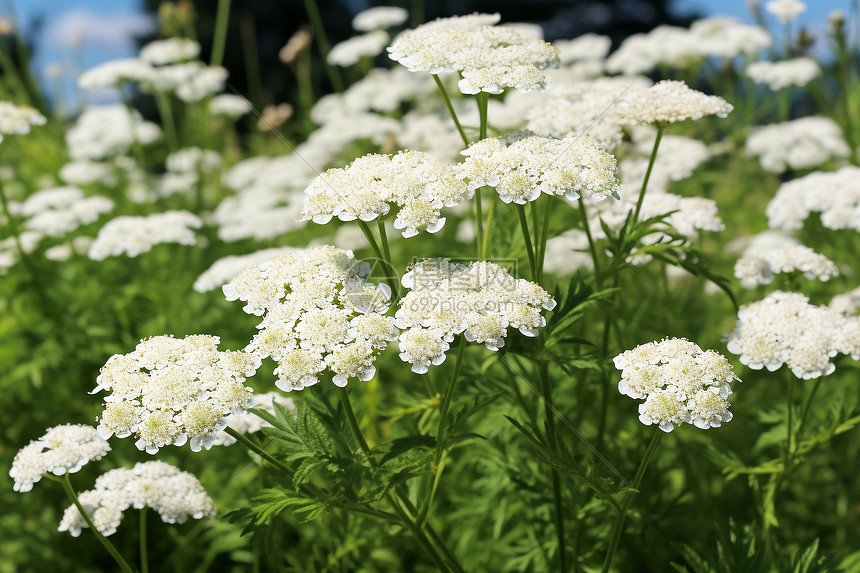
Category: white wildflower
[114,73]
[350,51]
[225,269]
[669,102]
[785,10]
[797,144]
[62,449]
[170,51]
[229,105]
[136,235]
[778,75]
[17,120]
[760,267]
[379,17]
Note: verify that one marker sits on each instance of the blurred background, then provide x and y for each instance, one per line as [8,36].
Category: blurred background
[66,37]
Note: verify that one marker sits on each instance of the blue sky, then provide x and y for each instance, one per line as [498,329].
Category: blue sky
[104,29]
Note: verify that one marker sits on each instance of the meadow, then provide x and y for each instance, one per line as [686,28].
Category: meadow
[491,304]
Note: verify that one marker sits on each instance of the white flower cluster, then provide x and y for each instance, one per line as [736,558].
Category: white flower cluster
[480,301]
[415,182]
[136,235]
[16,120]
[785,10]
[85,172]
[227,268]
[488,58]
[115,73]
[169,390]
[248,423]
[380,90]
[785,329]
[680,383]
[193,159]
[62,449]
[584,47]
[760,268]
[522,165]
[797,144]
[60,210]
[668,102]
[583,107]
[379,17]
[677,158]
[846,303]
[350,51]
[728,37]
[175,495]
[318,313]
[169,51]
[778,75]
[107,130]
[229,105]
[835,195]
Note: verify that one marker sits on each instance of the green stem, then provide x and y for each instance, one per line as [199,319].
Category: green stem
[144,557]
[483,99]
[243,439]
[558,504]
[628,499]
[392,273]
[322,44]
[451,111]
[591,246]
[805,413]
[222,19]
[353,424]
[479,220]
[547,215]
[524,225]
[136,146]
[166,112]
[789,445]
[660,129]
[489,227]
[70,491]
[440,432]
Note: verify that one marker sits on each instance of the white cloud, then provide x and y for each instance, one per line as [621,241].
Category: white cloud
[109,31]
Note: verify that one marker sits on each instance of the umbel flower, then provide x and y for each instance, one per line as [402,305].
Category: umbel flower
[136,235]
[318,313]
[415,182]
[835,195]
[480,300]
[62,449]
[522,166]
[488,58]
[785,329]
[760,268]
[669,102]
[16,120]
[169,390]
[680,383]
[175,495]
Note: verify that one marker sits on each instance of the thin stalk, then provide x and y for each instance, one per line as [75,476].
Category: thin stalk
[353,424]
[440,432]
[805,413]
[524,225]
[489,227]
[479,220]
[243,439]
[70,491]
[451,558]
[660,129]
[558,504]
[165,110]
[144,557]
[547,215]
[789,445]
[136,146]
[451,111]
[591,246]
[392,273]
[368,234]
[419,535]
[628,499]
[483,99]
[222,19]
[322,44]
[252,60]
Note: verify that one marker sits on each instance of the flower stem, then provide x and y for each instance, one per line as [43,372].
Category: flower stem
[392,273]
[451,111]
[144,558]
[524,225]
[660,129]
[547,215]
[322,44]
[222,19]
[243,439]
[166,112]
[440,432]
[805,412]
[558,504]
[489,227]
[70,491]
[591,246]
[356,429]
[789,445]
[628,499]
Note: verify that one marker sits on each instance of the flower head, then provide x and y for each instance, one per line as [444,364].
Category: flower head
[136,235]
[169,390]
[679,382]
[784,328]
[173,494]
[16,120]
[481,301]
[488,58]
[62,449]
[319,313]
[522,166]
[669,102]
[785,10]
